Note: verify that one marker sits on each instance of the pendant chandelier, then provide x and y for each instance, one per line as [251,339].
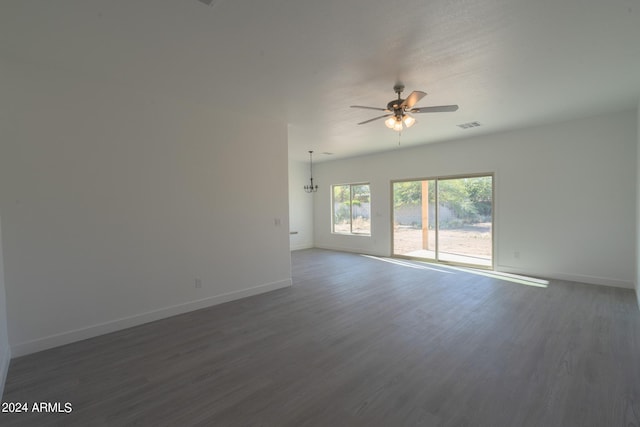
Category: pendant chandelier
[311,188]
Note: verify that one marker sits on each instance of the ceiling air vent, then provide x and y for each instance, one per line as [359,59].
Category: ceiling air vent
[469,125]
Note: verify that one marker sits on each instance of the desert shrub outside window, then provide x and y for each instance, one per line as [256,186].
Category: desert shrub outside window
[351,204]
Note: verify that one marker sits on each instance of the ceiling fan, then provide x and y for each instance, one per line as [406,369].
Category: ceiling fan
[398,109]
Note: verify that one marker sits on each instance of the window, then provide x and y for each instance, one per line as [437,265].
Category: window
[351,209]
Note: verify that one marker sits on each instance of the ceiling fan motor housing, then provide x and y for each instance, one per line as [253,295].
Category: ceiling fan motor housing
[394,104]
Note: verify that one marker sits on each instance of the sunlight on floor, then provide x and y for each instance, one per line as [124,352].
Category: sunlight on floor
[405,264]
[514,278]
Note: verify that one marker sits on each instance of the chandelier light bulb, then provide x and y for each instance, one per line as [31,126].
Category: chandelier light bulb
[409,121]
[390,122]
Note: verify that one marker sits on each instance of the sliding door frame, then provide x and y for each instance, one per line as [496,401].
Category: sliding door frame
[437,209]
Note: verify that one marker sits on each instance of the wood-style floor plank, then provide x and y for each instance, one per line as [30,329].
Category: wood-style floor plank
[357,341]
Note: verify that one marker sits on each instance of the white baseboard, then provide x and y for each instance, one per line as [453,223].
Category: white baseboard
[593,280]
[352,250]
[5,359]
[68,337]
[301,246]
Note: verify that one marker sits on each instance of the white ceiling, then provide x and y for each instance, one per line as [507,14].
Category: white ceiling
[507,63]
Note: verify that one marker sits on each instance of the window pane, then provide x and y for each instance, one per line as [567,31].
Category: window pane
[341,211]
[361,209]
[414,219]
[465,220]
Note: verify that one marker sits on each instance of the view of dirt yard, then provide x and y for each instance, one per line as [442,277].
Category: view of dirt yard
[474,240]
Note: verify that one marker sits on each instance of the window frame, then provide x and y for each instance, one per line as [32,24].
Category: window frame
[333,209]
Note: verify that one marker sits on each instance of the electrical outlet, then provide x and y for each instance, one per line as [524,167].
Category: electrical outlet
[198,283]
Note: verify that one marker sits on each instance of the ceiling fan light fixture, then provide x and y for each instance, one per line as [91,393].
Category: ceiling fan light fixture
[390,122]
[397,126]
[408,120]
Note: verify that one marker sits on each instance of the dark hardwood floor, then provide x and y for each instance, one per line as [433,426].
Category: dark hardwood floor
[357,342]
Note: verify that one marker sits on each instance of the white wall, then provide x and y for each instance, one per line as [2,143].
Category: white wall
[300,206]
[115,201]
[5,350]
[565,195]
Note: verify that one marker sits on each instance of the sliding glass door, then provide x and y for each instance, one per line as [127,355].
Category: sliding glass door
[445,219]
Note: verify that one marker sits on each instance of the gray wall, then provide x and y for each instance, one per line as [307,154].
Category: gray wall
[5,350]
[637,229]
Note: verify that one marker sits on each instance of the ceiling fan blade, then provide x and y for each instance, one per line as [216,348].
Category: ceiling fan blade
[375,118]
[369,108]
[413,98]
[436,109]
